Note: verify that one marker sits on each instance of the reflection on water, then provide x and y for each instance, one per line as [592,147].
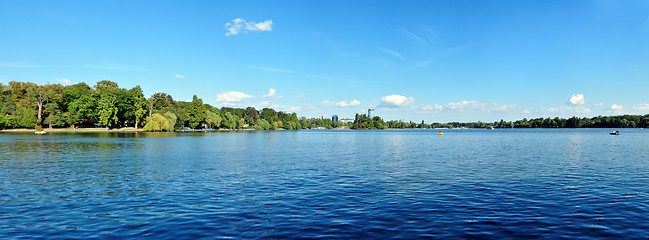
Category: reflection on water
[326,184]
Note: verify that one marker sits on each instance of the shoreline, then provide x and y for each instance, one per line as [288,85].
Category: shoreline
[77,130]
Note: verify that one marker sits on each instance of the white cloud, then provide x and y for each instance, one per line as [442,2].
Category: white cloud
[576,99]
[239,25]
[599,104]
[64,81]
[644,107]
[272,93]
[396,101]
[232,97]
[353,103]
[180,76]
[615,107]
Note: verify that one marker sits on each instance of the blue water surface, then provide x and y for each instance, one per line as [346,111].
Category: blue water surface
[330,184]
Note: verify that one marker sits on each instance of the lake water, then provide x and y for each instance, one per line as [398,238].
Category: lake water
[485,184]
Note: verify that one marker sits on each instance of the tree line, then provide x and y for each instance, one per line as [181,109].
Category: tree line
[28,105]
[621,121]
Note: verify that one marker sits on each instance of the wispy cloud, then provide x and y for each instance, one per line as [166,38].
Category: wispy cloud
[418,65]
[642,107]
[269,69]
[599,104]
[393,53]
[565,110]
[113,67]
[269,104]
[18,64]
[435,107]
[327,78]
[468,106]
[63,81]
[417,39]
[343,104]
[239,25]
[180,76]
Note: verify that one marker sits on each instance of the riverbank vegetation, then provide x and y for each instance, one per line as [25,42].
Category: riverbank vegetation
[25,105]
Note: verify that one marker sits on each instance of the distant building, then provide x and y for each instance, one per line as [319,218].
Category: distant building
[370,112]
[334,118]
[346,120]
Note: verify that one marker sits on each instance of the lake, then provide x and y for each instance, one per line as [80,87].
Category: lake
[330,184]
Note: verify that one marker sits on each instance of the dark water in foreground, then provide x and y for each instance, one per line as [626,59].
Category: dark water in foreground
[496,184]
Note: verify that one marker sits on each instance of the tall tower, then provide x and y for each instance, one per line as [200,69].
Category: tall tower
[334,118]
[370,112]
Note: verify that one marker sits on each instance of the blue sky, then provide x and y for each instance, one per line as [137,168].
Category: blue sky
[436,61]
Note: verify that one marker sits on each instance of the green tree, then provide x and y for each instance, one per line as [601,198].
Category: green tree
[229,121]
[79,104]
[213,120]
[139,104]
[195,112]
[156,123]
[262,124]
[26,117]
[171,117]
[107,103]
[40,95]
[107,109]
[6,121]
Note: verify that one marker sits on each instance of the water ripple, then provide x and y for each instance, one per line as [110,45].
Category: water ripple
[544,184]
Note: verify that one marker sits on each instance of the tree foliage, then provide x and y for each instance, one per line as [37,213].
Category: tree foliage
[156,123]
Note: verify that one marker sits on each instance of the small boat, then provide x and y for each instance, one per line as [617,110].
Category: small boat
[615,133]
[40,132]
[491,128]
[440,133]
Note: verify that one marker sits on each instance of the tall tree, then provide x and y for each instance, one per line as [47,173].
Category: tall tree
[40,95]
[80,100]
[107,104]
[195,112]
[139,104]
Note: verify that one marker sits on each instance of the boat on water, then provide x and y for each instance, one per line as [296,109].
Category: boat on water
[440,133]
[491,128]
[40,132]
[615,133]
